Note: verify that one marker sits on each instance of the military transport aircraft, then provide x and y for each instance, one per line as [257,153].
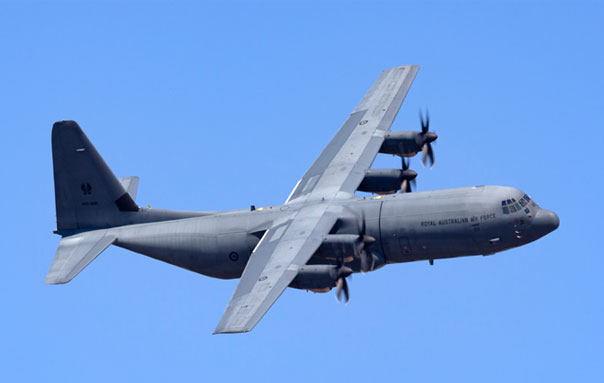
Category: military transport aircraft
[321,234]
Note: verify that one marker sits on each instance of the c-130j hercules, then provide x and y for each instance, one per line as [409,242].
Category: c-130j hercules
[317,238]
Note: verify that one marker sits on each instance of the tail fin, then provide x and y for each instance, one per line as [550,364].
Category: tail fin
[88,196]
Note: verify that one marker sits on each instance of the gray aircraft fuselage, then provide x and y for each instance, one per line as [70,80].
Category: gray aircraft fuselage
[324,231]
[407,227]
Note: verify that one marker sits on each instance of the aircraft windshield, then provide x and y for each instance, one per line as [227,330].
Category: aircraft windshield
[511,206]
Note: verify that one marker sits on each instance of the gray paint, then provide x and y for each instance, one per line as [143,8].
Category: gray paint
[389,218]
[271,248]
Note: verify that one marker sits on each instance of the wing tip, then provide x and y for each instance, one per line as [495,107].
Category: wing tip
[56,281]
[231,331]
[412,66]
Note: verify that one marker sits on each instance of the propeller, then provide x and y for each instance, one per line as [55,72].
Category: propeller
[339,274]
[408,177]
[341,284]
[425,138]
[363,248]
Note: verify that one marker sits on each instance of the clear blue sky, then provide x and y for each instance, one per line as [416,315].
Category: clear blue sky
[221,105]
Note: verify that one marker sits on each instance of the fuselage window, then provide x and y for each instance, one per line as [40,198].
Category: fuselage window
[527,211]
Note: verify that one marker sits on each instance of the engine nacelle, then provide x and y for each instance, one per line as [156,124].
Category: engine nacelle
[338,246]
[317,278]
[403,144]
[385,181]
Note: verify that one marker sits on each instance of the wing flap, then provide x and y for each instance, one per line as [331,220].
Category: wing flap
[75,253]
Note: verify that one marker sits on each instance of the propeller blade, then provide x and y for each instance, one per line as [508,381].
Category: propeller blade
[365,241]
[342,286]
[425,123]
[364,263]
[424,154]
[404,186]
[339,286]
[427,120]
[361,225]
[346,292]
[431,155]
[365,253]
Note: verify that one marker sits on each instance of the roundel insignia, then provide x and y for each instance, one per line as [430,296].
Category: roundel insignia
[86,189]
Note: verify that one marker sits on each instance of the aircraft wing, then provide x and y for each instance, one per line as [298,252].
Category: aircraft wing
[341,166]
[336,174]
[274,263]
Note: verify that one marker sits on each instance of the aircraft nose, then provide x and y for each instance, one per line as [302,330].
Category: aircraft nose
[545,222]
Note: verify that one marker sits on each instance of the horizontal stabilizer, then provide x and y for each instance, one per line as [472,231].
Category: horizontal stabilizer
[131,185]
[75,253]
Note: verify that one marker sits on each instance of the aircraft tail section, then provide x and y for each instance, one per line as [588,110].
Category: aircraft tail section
[90,201]
[75,252]
[88,196]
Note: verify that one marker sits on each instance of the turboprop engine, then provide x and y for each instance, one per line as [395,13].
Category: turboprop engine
[409,143]
[387,181]
[322,278]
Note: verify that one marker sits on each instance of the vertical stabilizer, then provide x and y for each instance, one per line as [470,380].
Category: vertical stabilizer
[87,194]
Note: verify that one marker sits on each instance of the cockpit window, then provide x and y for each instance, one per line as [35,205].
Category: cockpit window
[510,206]
[527,198]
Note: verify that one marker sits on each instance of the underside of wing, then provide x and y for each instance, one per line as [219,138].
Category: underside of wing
[275,262]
